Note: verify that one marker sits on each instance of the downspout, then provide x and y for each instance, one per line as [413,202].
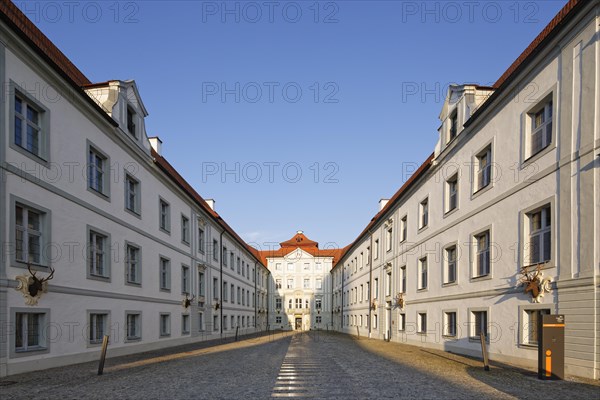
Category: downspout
[343,298]
[221,279]
[331,275]
[255,296]
[370,279]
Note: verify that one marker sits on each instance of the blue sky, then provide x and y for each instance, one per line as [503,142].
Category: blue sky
[294,115]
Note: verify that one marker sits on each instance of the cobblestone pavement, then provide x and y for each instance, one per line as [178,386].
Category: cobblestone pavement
[309,365]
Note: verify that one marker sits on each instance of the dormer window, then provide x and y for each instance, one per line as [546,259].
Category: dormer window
[131,122]
[453,131]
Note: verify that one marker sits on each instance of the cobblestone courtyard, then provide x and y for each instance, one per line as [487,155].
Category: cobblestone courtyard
[315,365]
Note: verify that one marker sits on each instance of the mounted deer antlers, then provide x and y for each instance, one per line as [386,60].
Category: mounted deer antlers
[31,286]
[187,301]
[534,283]
[37,284]
[399,301]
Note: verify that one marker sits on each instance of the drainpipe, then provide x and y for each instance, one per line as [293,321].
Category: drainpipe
[221,279]
[370,279]
[255,296]
[331,280]
[343,297]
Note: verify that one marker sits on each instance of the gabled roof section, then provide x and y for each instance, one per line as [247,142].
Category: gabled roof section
[300,241]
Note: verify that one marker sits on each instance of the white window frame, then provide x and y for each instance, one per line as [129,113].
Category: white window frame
[185,324]
[93,271]
[185,279]
[450,264]
[137,281]
[451,194]
[93,334]
[424,213]
[483,168]
[164,215]
[137,333]
[185,230]
[422,322]
[133,190]
[540,235]
[403,228]
[42,345]
[525,325]
[423,273]
[164,325]
[473,327]
[476,253]
[446,323]
[44,233]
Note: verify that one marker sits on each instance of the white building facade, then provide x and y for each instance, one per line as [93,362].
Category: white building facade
[300,292]
[513,186]
[86,197]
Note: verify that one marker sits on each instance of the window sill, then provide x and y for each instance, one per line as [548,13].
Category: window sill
[31,350]
[422,229]
[481,278]
[185,243]
[136,214]
[482,190]
[449,284]
[133,339]
[185,333]
[103,196]
[100,278]
[450,337]
[136,284]
[168,232]
[450,212]
[476,339]
[164,335]
[39,159]
[537,155]
[528,346]
[422,290]
[165,290]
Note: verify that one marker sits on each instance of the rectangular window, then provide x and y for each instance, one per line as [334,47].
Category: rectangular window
[278,267]
[423,213]
[239,295]
[484,168]
[201,284]
[278,303]
[131,117]
[422,322]
[239,265]
[29,133]
[98,327]
[306,284]
[541,129]
[318,319]
[185,279]
[216,288]
[318,304]
[28,331]
[98,171]
[244,297]
[403,228]
[306,266]
[278,320]
[185,324]
[376,288]
[530,325]
[482,254]
[388,286]
[132,263]
[231,260]
[185,229]
[215,250]
[479,321]
[318,266]
[165,325]
[423,273]
[165,274]
[403,279]
[453,128]
[290,267]
[540,235]
[98,254]
[232,292]
[278,283]
[132,194]
[450,323]
[388,239]
[452,193]
[402,322]
[200,322]
[133,326]
[290,283]
[164,216]
[298,302]
[318,284]
[201,240]
[225,286]
[29,239]
[376,249]
[450,259]
[215,322]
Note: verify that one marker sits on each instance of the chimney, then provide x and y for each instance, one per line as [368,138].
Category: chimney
[156,144]
[383,203]
[211,203]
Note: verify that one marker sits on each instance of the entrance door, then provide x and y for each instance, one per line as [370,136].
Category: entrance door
[298,324]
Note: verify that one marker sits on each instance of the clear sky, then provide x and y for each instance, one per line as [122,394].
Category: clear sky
[300,114]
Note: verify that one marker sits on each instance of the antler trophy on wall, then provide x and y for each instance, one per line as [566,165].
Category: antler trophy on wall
[534,282]
[31,286]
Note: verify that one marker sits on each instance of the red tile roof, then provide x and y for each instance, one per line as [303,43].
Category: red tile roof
[300,241]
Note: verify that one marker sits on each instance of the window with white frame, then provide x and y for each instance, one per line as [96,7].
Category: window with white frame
[239,265]
[306,267]
[215,250]
[131,120]
[290,266]
[201,240]
[98,171]
[318,303]
[479,323]
[29,234]
[165,324]
[318,283]
[239,300]
[298,302]
[133,326]
[201,321]
[401,322]
[216,288]
[29,132]
[232,292]
[484,168]
[98,254]
[98,327]
[374,321]
[290,283]
[164,215]
[403,228]
[452,193]
[318,319]
[388,283]
[224,256]
[185,229]
[540,135]
[185,279]
[318,266]
[453,125]
[290,303]
[482,254]
[388,239]
[132,262]
[306,284]
[278,267]
[278,303]
[278,283]
[450,323]
[403,279]
[201,284]
[225,287]
[531,318]
[376,288]
[539,245]
[132,194]
[422,273]
[231,257]
[422,322]
[29,331]
[450,261]
[185,324]
[424,213]
[376,249]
